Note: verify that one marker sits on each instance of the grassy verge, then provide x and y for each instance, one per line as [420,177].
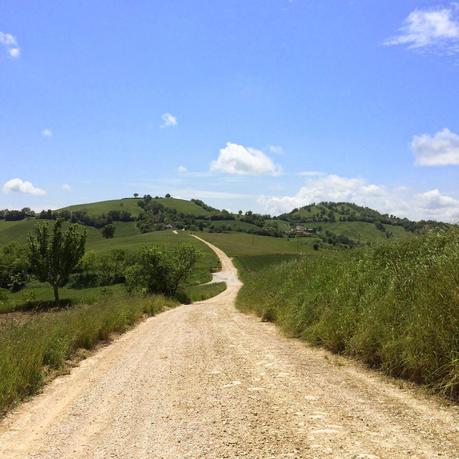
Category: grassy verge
[203,292]
[38,296]
[395,307]
[31,351]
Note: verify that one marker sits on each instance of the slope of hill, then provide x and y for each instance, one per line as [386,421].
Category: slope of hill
[97,209]
[348,212]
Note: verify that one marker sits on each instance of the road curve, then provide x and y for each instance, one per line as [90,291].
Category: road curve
[207,381]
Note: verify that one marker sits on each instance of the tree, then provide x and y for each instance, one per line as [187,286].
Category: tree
[54,252]
[168,196]
[136,195]
[108,231]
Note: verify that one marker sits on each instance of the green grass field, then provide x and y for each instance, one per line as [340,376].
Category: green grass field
[362,231]
[237,244]
[234,225]
[17,231]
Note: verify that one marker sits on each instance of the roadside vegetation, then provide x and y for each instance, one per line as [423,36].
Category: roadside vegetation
[34,350]
[40,337]
[101,271]
[395,306]
[373,286]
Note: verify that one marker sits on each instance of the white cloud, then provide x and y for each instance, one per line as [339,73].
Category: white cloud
[430,28]
[66,187]
[240,160]
[310,173]
[276,149]
[182,169]
[440,149]
[21,186]
[47,133]
[168,120]
[11,44]
[399,201]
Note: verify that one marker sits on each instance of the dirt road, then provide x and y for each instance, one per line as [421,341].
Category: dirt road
[207,381]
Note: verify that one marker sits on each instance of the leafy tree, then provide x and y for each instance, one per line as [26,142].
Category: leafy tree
[136,195]
[54,252]
[108,231]
[168,196]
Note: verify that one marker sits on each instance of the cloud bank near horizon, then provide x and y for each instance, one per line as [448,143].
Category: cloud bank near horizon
[400,201]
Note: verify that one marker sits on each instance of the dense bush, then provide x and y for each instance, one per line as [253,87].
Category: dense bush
[396,307]
[14,267]
[108,231]
[100,270]
[158,270]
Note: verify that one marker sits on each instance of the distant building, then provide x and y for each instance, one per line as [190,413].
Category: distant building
[301,231]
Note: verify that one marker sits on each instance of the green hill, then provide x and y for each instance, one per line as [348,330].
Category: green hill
[355,222]
[328,223]
[97,209]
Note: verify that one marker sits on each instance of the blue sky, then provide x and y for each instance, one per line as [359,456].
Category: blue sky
[247,104]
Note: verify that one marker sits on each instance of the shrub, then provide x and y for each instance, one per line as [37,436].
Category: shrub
[108,231]
[13,268]
[158,270]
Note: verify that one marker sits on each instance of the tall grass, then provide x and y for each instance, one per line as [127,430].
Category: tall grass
[31,350]
[396,307]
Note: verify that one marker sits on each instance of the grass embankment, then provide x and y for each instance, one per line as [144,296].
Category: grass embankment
[395,307]
[33,351]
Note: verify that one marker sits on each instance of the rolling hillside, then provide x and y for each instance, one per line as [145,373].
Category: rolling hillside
[97,209]
[343,224]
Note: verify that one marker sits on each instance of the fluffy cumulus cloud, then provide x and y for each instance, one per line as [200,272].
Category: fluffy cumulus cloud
[168,120]
[440,149]
[22,186]
[239,160]
[399,201]
[10,43]
[430,28]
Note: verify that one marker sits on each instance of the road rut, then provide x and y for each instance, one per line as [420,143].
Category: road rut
[206,381]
